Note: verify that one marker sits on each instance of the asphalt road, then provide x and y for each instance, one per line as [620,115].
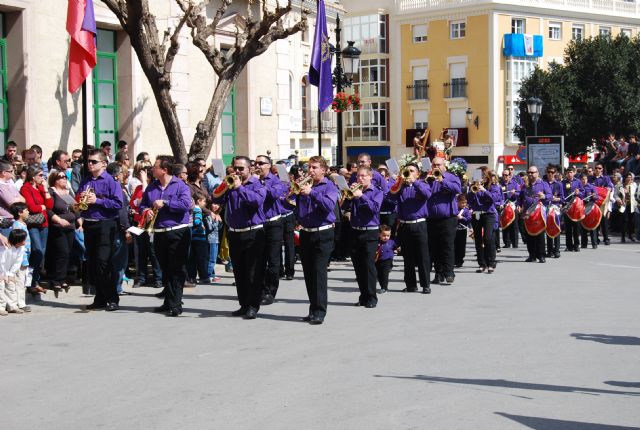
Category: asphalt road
[549,347]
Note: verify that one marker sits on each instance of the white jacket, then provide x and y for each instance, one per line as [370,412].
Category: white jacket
[10,260]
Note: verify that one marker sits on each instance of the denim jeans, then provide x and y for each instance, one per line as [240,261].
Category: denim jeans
[213,255]
[120,259]
[38,237]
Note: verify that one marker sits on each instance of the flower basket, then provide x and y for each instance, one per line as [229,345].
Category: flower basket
[343,102]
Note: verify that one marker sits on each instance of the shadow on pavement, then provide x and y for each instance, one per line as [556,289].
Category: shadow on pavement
[608,339]
[538,423]
[514,384]
[623,384]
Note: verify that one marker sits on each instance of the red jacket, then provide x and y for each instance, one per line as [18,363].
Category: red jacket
[134,203]
[35,199]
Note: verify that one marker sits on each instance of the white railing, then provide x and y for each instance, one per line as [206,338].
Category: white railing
[616,7]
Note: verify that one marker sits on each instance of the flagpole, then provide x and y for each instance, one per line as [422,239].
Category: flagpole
[85,161]
[319,128]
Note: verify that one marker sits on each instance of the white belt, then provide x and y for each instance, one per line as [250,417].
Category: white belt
[287,214]
[386,213]
[413,221]
[98,220]
[314,229]
[275,218]
[365,228]
[242,230]
[177,227]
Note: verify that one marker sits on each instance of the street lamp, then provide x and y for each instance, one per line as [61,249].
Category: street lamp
[534,106]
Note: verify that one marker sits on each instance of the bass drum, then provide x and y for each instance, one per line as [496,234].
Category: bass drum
[534,220]
[508,215]
[592,216]
[553,228]
[575,211]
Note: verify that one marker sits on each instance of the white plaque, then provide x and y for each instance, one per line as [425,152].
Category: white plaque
[266,106]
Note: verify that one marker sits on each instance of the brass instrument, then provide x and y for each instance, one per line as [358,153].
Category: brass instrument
[83,204]
[296,186]
[348,193]
[475,187]
[150,225]
[406,174]
[434,175]
[230,180]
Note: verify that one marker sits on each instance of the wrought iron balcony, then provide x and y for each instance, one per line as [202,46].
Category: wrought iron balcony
[418,91]
[455,88]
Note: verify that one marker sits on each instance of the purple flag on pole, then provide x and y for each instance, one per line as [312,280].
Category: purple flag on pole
[320,68]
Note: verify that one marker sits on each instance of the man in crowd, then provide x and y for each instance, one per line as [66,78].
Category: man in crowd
[536,191]
[599,179]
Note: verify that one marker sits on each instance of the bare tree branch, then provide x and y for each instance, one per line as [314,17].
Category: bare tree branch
[175,44]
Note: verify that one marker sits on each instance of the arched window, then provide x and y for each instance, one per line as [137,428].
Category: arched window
[305,102]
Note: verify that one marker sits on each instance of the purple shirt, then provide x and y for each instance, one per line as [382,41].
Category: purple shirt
[443,203]
[318,208]
[386,250]
[365,211]
[574,187]
[177,202]
[243,205]
[601,181]
[276,193]
[463,222]
[108,197]
[557,193]
[529,195]
[487,200]
[587,190]
[388,205]
[510,189]
[377,180]
[412,200]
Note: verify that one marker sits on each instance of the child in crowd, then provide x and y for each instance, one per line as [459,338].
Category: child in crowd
[20,214]
[384,257]
[11,259]
[199,255]
[213,238]
[464,218]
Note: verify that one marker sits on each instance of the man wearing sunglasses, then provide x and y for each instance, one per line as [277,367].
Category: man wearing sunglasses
[599,179]
[100,223]
[243,203]
[273,226]
[557,198]
[378,181]
[536,191]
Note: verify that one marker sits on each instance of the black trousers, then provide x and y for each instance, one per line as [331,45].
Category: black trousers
[442,236]
[586,234]
[572,233]
[247,254]
[146,254]
[510,234]
[415,252]
[288,226]
[460,246]
[484,238]
[273,255]
[627,227]
[363,254]
[604,228]
[383,268]
[535,245]
[59,245]
[553,245]
[315,252]
[390,220]
[523,231]
[172,249]
[100,239]
[198,262]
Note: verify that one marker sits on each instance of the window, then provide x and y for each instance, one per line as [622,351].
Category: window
[4,105]
[371,81]
[518,68]
[368,32]
[457,85]
[420,119]
[577,32]
[419,83]
[517,25]
[626,32]
[290,91]
[458,29]
[419,33]
[228,128]
[105,90]
[555,30]
[305,102]
[605,31]
[368,124]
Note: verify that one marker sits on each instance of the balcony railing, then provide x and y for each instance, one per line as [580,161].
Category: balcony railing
[306,120]
[455,88]
[610,7]
[418,91]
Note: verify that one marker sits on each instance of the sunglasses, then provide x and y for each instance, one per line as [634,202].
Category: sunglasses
[261,163]
[238,168]
[531,173]
[598,168]
[93,161]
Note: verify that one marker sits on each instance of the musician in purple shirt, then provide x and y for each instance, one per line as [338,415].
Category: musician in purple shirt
[557,198]
[388,211]
[104,197]
[315,211]
[378,181]
[384,257]
[510,190]
[442,222]
[572,188]
[276,191]
[244,202]
[411,195]
[365,223]
[536,191]
[599,179]
[588,192]
[170,199]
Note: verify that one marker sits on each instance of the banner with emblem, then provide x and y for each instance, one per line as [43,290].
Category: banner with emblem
[320,68]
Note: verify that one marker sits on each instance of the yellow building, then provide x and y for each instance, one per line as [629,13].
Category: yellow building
[449,70]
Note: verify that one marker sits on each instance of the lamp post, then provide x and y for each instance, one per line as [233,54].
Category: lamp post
[347,65]
[534,106]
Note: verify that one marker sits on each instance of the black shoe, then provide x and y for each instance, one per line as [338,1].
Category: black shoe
[542,260]
[450,279]
[567,249]
[370,305]
[95,305]
[382,290]
[240,312]
[530,260]
[576,249]
[435,280]
[632,239]
[158,284]
[426,290]
[481,269]
[507,245]
[357,304]
[174,312]
[267,300]
[498,250]
[251,314]
[583,246]
[316,320]
[307,318]
[548,254]
[556,255]
[459,265]
[112,307]
[490,270]
[594,246]
[515,246]
[410,290]
[607,242]
[161,309]
[289,278]
[160,295]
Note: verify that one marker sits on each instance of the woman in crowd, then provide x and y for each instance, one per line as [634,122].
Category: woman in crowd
[38,202]
[628,223]
[61,231]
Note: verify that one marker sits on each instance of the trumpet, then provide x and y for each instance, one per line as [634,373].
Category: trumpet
[150,225]
[434,175]
[348,193]
[475,187]
[406,174]
[297,185]
[83,204]
[230,180]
